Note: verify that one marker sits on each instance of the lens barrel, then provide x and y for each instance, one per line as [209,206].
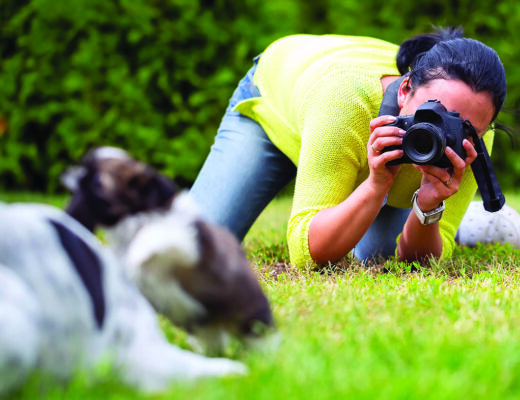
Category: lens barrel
[424,143]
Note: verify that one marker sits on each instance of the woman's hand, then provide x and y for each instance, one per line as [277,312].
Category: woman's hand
[440,183]
[381,136]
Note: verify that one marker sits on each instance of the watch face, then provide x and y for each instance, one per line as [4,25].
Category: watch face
[431,219]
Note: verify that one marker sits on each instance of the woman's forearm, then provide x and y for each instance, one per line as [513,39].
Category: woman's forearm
[419,242]
[336,230]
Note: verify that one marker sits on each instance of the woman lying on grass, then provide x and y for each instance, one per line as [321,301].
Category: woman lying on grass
[308,108]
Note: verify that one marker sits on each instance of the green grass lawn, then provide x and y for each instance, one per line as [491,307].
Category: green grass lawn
[451,331]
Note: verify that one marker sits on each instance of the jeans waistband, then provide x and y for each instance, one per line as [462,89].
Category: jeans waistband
[246,88]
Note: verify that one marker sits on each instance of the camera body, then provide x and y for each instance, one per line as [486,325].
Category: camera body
[428,132]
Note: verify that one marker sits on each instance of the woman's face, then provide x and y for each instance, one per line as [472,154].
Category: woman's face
[455,95]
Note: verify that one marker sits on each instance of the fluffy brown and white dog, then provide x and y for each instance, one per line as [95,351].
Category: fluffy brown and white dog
[193,272]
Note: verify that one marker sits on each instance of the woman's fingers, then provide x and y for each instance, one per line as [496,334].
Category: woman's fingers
[383,135]
[381,121]
[471,153]
[379,145]
[386,132]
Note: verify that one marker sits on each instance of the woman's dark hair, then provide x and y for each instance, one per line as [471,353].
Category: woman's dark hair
[445,54]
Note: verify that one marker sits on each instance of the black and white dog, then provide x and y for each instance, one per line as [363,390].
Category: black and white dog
[66,304]
[193,272]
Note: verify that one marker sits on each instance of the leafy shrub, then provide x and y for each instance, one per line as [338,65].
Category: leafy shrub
[149,76]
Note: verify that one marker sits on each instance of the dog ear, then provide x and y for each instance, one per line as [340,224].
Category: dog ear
[164,190]
[223,282]
[153,191]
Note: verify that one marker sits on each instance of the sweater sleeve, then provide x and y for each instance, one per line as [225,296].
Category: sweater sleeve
[334,119]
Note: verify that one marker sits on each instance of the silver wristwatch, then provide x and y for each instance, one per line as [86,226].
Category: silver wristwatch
[430,217]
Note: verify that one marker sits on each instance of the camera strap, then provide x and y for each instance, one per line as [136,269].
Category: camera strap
[484,174]
[389,105]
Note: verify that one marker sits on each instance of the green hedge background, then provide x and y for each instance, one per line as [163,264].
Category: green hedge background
[154,76]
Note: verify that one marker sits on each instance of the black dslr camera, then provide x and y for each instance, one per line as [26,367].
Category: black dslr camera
[428,132]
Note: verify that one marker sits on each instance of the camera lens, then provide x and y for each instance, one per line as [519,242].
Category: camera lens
[424,143]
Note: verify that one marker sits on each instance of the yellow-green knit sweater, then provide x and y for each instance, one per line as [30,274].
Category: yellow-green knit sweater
[318,95]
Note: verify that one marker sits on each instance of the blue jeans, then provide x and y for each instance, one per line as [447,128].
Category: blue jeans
[244,171]
[380,239]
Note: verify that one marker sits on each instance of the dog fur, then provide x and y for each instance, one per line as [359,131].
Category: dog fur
[193,272]
[66,304]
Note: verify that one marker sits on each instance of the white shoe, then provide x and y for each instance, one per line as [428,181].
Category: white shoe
[481,226]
